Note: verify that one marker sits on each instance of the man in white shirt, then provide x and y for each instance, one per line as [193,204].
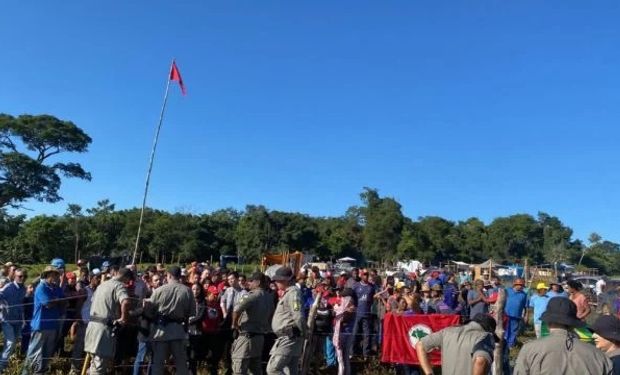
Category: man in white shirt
[599,289]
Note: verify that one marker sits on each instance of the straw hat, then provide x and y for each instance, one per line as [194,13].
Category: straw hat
[48,270]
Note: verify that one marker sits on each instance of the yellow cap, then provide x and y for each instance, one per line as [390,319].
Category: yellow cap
[541,286]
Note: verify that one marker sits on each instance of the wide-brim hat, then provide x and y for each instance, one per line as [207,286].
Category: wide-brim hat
[608,327]
[437,288]
[562,311]
[425,288]
[283,274]
[48,270]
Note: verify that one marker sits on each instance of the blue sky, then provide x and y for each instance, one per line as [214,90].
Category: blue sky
[455,108]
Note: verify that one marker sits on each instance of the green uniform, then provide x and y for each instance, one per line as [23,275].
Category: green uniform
[255,311]
[171,304]
[561,353]
[105,308]
[289,326]
[459,346]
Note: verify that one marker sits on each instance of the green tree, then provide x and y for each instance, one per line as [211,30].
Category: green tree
[75,215]
[513,238]
[41,239]
[27,145]
[105,227]
[255,233]
[439,239]
[470,238]
[216,233]
[383,223]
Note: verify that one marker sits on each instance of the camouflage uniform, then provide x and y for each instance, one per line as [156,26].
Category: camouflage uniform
[171,305]
[289,325]
[105,309]
[255,309]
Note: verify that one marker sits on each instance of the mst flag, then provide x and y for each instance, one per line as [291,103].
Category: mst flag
[402,333]
[175,75]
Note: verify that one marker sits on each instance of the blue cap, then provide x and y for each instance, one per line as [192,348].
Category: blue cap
[105,264]
[58,263]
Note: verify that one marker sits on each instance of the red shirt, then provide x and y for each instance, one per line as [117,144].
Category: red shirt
[214,290]
[213,318]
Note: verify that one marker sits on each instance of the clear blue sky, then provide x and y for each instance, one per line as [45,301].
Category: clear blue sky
[455,108]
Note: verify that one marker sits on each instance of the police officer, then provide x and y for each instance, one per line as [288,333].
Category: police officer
[561,352]
[288,324]
[110,307]
[170,307]
[465,349]
[250,320]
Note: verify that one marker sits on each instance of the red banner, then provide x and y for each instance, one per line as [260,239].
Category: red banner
[402,333]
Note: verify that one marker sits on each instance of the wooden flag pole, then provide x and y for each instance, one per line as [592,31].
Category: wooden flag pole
[150,168]
[498,353]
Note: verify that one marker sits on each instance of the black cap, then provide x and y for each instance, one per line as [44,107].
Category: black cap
[561,311]
[175,271]
[608,327]
[283,274]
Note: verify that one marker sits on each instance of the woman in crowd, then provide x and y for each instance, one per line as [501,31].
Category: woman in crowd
[344,319]
[196,337]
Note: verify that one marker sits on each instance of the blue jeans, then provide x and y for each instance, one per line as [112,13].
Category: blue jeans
[330,352]
[142,349]
[12,333]
[41,348]
[512,331]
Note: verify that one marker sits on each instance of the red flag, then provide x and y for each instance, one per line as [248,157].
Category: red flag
[401,333]
[175,75]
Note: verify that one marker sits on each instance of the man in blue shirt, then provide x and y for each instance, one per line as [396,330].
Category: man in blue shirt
[539,303]
[516,300]
[45,322]
[13,293]
[364,291]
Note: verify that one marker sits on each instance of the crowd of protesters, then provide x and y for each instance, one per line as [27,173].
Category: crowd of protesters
[49,315]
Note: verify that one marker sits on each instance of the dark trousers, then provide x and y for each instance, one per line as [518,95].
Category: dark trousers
[361,333]
[196,352]
[226,341]
[214,350]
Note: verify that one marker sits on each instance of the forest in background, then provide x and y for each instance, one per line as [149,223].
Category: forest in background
[376,230]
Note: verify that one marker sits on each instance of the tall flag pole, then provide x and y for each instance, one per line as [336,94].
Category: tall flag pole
[174,75]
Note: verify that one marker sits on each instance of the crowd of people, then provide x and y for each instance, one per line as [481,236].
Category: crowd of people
[136,321]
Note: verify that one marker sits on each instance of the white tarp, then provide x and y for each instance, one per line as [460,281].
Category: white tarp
[271,270]
[411,266]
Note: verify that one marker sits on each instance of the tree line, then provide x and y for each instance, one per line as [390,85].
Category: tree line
[375,230]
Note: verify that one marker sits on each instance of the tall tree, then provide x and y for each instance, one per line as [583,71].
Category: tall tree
[255,233]
[75,215]
[27,145]
[383,223]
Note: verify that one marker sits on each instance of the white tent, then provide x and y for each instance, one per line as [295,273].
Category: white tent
[347,259]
